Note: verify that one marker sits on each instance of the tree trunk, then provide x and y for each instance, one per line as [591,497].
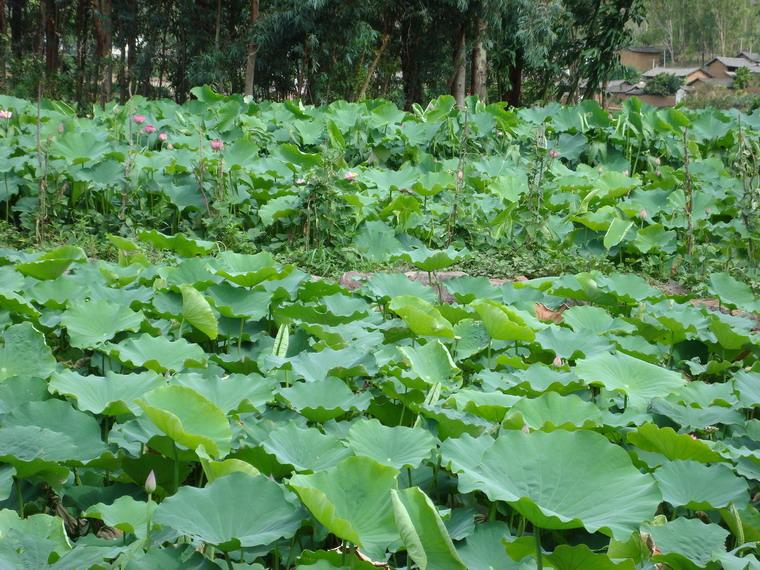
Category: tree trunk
[131,34]
[410,63]
[123,88]
[218,26]
[460,68]
[83,10]
[514,94]
[103,37]
[250,61]
[479,68]
[17,27]
[49,15]
[3,43]
[373,66]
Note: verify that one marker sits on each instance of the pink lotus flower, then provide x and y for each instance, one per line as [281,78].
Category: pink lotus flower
[558,361]
[554,153]
[162,137]
[138,119]
[149,129]
[643,214]
[350,176]
[217,144]
[150,483]
[301,181]
[6,115]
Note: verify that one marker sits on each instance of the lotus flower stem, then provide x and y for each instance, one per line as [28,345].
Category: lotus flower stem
[19,496]
[176,467]
[539,558]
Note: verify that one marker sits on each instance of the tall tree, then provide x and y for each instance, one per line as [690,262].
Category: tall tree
[104,45]
[252,48]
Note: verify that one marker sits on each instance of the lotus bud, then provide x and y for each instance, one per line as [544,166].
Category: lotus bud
[217,145]
[525,428]
[554,153]
[350,176]
[6,115]
[138,119]
[643,214]
[61,128]
[162,137]
[658,174]
[150,483]
[460,175]
[301,181]
[626,173]
[558,361]
[149,129]
[170,146]
[657,161]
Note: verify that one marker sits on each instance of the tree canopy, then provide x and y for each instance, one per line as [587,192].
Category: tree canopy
[317,50]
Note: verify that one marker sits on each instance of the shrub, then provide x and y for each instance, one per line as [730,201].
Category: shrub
[663,84]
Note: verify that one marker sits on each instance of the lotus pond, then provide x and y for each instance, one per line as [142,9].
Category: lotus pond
[223,410]
[179,397]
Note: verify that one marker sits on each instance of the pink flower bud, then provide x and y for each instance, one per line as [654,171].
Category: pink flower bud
[301,181]
[658,174]
[170,146]
[138,119]
[61,128]
[6,115]
[350,176]
[217,144]
[558,361]
[162,137]
[460,175]
[149,129]
[525,428]
[554,153]
[643,214]
[626,173]
[657,161]
[150,483]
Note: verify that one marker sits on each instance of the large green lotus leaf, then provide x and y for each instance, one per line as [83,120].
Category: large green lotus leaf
[491,406]
[16,304]
[182,557]
[564,479]
[748,386]
[178,243]
[502,322]
[238,302]
[7,473]
[53,263]
[324,399]
[395,446]
[353,501]
[80,147]
[37,436]
[376,241]
[29,542]
[567,343]
[188,418]
[485,550]
[666,442]
[91,323]
[430,362]
[246,270]
[385,286]
[433,259]
[697,418]
[616,232]
[316,366]
[233,512]
[639,380]
[331,560]
[193,271]
[551,411]
[581,557]
[422,531]
[628,287]
[197,311]
[157,353]
[236,392]
[421,317]
[25,353]
[701,487]
[306,449]
[733,292]
[687,543]
[112,395]
[125,513]
[472,338]
[654,237]
[276,208]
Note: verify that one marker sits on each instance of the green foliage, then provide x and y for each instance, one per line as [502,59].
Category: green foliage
[663,84]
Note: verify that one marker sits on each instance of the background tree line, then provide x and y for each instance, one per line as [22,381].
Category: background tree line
[693,31]
[319,50]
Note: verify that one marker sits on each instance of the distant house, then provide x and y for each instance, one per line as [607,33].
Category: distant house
[726,66]
[750,56]
[688,74]
[642,58]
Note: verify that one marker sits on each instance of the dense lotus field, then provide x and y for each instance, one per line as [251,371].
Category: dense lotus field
[666,192]
[221,410]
